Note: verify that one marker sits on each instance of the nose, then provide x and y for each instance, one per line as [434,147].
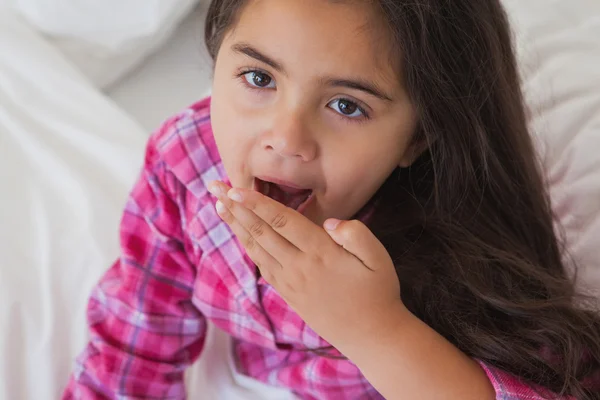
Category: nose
[290,137]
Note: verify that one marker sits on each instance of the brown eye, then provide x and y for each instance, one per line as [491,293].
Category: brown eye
[347,108]
[259,79]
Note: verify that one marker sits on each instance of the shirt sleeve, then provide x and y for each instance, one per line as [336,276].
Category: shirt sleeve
[509,387]
[144,329]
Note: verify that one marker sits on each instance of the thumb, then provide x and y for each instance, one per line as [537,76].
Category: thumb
[358,240]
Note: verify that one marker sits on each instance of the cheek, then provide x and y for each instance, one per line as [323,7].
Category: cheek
[359,180]
[357,169]
[234,111]
[232,136]
[232,121]
[353,178]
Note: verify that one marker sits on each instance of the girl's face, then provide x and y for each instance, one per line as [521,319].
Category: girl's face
[307,105]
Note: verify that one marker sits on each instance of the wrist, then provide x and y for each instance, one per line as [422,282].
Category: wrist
[408,359]
[379,330]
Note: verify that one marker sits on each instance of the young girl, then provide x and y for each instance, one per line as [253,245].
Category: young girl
[388,234]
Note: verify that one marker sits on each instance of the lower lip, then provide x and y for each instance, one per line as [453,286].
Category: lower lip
[302,208]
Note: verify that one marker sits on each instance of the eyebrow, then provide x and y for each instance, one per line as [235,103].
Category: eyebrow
[252,52]
[359,84]
[356,84]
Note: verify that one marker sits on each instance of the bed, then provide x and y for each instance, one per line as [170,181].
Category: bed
[71,145]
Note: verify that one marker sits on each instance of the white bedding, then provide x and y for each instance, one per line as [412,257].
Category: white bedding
[104,39]
[69,155]
[170,80]
[559,50]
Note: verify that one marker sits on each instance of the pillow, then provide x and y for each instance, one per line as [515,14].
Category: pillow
[105,39]
[559,51]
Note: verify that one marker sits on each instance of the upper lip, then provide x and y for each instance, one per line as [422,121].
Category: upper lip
[282,182]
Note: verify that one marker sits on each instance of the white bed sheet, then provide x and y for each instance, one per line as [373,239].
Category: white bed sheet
[559,50]
[170,80]
[69,156]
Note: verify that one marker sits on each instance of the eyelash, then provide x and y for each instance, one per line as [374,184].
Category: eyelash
[365,115]
[359,105]
[240,75]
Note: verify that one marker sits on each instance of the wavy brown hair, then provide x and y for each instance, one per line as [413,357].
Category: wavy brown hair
[469,225]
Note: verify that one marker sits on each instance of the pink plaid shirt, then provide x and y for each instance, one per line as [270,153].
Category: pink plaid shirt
[180,265]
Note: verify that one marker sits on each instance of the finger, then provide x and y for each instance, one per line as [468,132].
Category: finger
[270,240]
[290,224]
[358,240]
[265,262]
[280,248]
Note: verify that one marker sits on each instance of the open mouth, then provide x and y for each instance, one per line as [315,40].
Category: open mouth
[292,197]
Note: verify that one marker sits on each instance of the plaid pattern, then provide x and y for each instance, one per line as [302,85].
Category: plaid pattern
[179,266]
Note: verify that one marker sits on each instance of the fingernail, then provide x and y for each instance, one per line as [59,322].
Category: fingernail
[331,224]
[235,195]
[220,207]
[215,188]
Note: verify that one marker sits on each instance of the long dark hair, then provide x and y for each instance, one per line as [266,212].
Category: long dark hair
[469,225]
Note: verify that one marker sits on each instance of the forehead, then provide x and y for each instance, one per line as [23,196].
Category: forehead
[349,35]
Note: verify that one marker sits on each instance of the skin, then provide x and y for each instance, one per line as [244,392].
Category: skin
[292,127]
[313,269]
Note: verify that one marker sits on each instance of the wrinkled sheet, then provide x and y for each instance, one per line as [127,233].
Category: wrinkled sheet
[558,43]
[68,157]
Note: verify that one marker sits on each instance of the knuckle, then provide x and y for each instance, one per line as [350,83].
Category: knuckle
[250,203]
[316,259]
[257,228]
[250,244]
[279,220]
[227,217]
